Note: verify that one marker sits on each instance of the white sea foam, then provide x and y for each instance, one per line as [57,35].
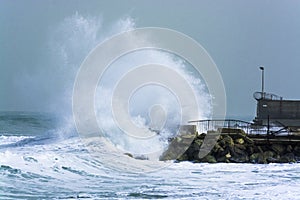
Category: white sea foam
[66,166]
[5,140]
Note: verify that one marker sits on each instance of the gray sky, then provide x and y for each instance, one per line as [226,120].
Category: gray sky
[239,35]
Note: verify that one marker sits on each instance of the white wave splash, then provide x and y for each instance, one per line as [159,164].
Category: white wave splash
[6,140]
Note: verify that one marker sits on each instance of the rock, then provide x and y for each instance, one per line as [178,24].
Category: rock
[242,135]
[289,149]
[262,159]
[129,154]
[265,148]
[141,157]
[239,150]
[287,158]
[240,159]
[269,156]
[239,141]
[258,158]
[183,157]
[177,147]
[217,148]
[223,159]
[198,142]
[226,141]
[222,152]
[201,136]
[272,160]
[278,148]
[248,140]
[171,153]
[258,149]
[239,154]
[250,150]
[297,150]
[192,152]
[228,155]
[209,159]
[254,158]
[194,147]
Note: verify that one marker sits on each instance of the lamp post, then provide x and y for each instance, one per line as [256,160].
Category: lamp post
[263,96]
[262,81]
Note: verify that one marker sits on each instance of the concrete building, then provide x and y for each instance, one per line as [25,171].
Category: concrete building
[277,111]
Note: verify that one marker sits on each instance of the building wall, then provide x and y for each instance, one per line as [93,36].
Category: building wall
[283,111]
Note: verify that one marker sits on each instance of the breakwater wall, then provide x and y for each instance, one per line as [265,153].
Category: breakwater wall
[234,146]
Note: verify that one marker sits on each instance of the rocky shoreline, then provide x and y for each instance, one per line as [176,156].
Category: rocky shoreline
[232,147]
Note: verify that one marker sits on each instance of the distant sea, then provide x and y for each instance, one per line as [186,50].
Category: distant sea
[39,160]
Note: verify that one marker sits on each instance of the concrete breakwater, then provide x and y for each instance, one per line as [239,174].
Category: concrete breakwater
[234,146]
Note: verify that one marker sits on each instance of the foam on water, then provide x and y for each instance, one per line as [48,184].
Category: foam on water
[6,140]
[66,170]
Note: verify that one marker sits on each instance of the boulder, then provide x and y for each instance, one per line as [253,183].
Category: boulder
[269,156]
[226,141]
[201,136]
[239,150]
[254,158]
[241,146]
[239,141]
[217,148]
[238,154]
[228,155]
[183,157]
[289,149]
[258,158]
[223,159]
[278,148]
[262,159]
[129,154]
[198,142]
[250,149]
[297,150]
[209,159]
[287,158]
[258,149]
[177,147]
[240,159]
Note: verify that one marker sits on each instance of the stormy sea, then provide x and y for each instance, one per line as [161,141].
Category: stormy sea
[42,156]
[38,161]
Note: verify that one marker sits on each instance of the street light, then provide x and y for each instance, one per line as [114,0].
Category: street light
[262,81]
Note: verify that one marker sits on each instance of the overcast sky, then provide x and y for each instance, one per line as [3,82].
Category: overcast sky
[239,35]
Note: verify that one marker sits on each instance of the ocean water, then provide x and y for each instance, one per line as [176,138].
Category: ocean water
[38,160]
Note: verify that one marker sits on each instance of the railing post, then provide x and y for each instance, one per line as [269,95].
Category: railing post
[208,125]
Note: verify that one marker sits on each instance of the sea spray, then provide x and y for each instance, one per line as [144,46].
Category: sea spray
[70,42]
[144,98]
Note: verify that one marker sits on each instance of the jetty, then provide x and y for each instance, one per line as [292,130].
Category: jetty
[237,142]
[272,137]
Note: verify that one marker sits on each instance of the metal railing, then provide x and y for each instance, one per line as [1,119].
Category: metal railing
[203,126]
